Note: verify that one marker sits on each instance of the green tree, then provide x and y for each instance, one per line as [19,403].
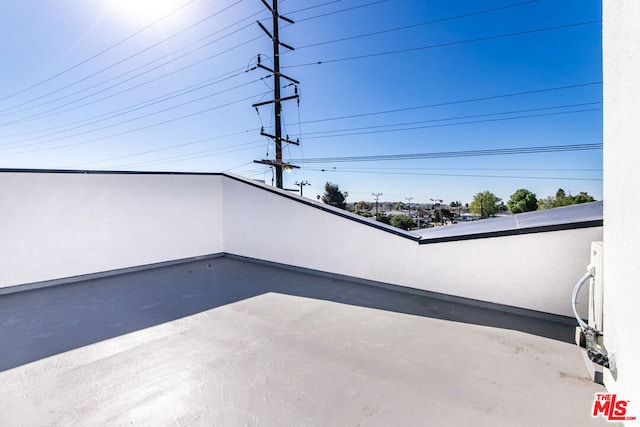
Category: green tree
[383,218]
[437,216]
[446,213]
[547,203]
[522,200]
[484,204]
[562,199]
[583,197]
[333,196]
[363,206]
[401,221]
[440,214]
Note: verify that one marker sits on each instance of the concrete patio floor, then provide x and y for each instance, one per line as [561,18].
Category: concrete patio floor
[229,342]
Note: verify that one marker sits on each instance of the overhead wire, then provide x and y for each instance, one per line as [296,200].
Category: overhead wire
[155,150]
[347,132]
[164,40]
[139,128]
[462,175]
[404,168]
[384,53]
[189,156]
[102,52]
[136,107]
[455,154]
[421,24]
[202,84]
[129,120]
[462,101]
[341,11]
[459,42]
[172,60]
[162,57]
[291,12]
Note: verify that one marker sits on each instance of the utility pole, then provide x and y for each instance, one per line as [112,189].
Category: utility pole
[409,199]
[278,164]
[302,184]
[376,196]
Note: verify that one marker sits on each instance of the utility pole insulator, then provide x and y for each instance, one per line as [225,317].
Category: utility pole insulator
[278,163]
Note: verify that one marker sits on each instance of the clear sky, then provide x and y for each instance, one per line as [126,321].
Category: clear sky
[95,84]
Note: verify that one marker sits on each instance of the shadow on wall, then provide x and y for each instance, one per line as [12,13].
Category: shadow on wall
[41,323]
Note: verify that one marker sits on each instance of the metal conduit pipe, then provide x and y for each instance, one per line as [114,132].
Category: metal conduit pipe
[591,334]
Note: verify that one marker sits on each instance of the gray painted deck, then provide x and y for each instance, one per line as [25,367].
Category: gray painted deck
[228,342]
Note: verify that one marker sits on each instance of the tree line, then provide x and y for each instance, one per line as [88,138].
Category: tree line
[484,204]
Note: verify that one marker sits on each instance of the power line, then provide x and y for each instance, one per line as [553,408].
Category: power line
[123,60]
[141,128]
[39,115]
[172,60]
[313,7]
[392,52]
[199,85]
[131,119]
[342,10]
[419,24]
[454,154]
[99,53]
[442,104]
[462,175]
[130,109]
[170,147]
[44,114]
[481,169]
[460,118]
[335,135]
[189,156]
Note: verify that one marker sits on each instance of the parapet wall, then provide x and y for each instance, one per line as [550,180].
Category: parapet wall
[533,271]
[56,225]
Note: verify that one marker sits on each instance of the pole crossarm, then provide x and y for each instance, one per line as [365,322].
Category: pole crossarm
[287,140]
[277,163]
[286,98]
[292,80]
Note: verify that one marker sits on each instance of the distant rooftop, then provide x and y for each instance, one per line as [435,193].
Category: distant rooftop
[568,217]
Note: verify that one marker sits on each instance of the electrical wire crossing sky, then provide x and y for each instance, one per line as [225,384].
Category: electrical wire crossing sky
[416,99]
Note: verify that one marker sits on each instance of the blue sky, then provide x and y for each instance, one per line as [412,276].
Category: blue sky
[86,86]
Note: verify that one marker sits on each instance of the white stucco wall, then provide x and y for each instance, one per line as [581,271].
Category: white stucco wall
[534,271]
[621,50]
[57,225]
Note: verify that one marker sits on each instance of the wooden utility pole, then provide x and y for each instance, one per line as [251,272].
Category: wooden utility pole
[278,164]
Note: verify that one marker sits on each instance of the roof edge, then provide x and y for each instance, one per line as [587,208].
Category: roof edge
[515,232]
